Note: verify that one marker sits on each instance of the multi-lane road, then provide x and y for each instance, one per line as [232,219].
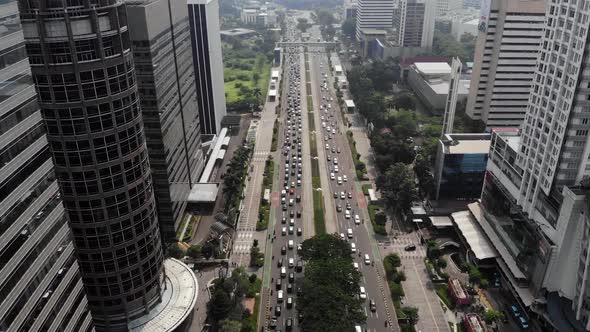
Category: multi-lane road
[345,207]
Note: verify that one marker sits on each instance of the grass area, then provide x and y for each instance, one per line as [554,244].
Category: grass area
[264,211]
[241,69]
[192,221]
[366,188]
[443,293]
[378,228]
[361,168]
[181,227]
[318,213]
[250,323]
[275,136]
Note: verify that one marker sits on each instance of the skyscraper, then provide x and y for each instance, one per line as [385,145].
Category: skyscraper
[40,284]
[208,63]
[534,207]
[160,36]
[444,7]
[413,22]
[505,61]
[373,14]
[84,74]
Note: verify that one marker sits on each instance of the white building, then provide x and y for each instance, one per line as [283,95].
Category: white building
[534,204]
[443,7]
[430,82]
[373,14]
[505,62]
[208,63]
[249,15]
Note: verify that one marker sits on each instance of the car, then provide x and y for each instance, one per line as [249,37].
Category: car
[289,302]
[278,310]
[357,219]
[410,247]
[339,180]
[356,266]
[342,195]
[373,305]
[349,233]
[299,231]
[367,259]
[273,322]
[291,262]
[350,195]
[289,288]
[353,247]
[344,178]
[335,194]
[298,213]
[342,237]
[291,277]
[338,150]
[347,214]
[279,283]
[280,262]
[284,231]
[284,207]
[327,146]
[289,324]
[292,222]
[298,183]
[332,177]
[515,311]
[283,250]
[280,296]
[291,202]
[524,324]
[283,220]
[299,266]
[291,230]
[339,208]
[291,213]
[291,244]
[348,206]
[362,293]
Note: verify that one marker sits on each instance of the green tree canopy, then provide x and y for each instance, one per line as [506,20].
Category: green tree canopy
[349,27]
[194,251]
[175,251]
[228,325]
[324,246]
[398,187]
[220,305]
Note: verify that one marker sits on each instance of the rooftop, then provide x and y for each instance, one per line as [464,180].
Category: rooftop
[441,87]
[178,300]
[203,192]
[474,235]
[433,68]
[469,147]
[406,62]
[349,103]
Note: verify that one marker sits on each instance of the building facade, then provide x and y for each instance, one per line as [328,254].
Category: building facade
[534,205]
[40,283]
[84,75]
[160,37]
[413,23]
[444,7]
[208,63]
[505,62]
[373,14]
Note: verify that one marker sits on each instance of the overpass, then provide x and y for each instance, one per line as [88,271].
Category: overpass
[308,44]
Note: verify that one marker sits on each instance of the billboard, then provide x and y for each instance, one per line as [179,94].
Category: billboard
[484,15]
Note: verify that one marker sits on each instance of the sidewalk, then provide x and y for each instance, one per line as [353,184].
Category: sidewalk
[246,227]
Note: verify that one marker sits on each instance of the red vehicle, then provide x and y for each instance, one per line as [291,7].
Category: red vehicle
[473,323]
[457,292]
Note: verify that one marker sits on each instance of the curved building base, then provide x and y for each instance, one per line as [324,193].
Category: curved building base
[179,297]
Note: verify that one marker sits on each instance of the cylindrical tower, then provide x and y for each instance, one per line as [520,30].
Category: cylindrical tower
[83,70]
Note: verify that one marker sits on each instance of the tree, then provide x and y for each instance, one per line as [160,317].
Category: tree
[194,251]
[220,305]
[491,316]
[404,101]
[257,93]
[396,290]
[324,246]
[208,250]
[397,187]
[432,250]
[302,24]
[335,271]
[174,251]
[394,260]
[474,273]
[348,27]
[411,313]
[255,78]
[228,325]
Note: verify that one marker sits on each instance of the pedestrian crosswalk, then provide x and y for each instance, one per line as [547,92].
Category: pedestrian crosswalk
[398,244]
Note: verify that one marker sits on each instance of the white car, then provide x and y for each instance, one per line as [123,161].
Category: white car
[339,180]
[353,247]
[347,214]
[344,178]
[332,176]
[367,259]
[357,219]
[280,296]
[284,231]
[349,232]
[342,237]
[362,293]
[356,266]
[342,195]
[291,262]
[291,244]
[327,146]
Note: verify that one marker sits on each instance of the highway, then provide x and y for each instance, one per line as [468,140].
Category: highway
[348,194]
[342,193]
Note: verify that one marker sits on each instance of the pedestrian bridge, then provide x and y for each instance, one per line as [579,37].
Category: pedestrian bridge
[304,43]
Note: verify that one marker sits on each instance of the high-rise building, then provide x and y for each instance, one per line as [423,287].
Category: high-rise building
[413,22]
[40,284]
[208,63]
[444,7]
[534,206]
[350,9]
[82,66]
[373,14]
[160,37]
[505,61]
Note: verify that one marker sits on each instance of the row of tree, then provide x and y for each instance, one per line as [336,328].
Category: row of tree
[234,178]
[330,287]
